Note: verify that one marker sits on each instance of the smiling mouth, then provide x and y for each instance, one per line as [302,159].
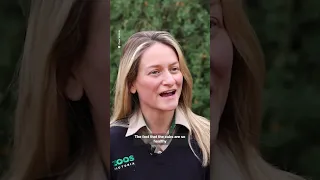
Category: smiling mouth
[168,93]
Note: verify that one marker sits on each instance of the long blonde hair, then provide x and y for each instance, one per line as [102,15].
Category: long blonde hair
[125,103]
[239,127]
[46,135]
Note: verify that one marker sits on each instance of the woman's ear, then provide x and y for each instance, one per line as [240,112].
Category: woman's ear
[74,88]
[133,89]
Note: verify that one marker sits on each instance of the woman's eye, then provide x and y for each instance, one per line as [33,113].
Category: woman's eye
[175,69]
[154,72]
[214,25]
[213,22]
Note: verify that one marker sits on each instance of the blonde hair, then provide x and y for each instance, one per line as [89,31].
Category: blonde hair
[239,127]
[125,103]
[45,137]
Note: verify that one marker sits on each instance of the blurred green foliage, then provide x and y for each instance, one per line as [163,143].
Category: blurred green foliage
[288,31]
[187,21]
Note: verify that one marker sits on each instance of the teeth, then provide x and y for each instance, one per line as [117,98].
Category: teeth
[169,91]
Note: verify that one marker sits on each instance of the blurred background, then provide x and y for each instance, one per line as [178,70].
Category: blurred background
[289,32]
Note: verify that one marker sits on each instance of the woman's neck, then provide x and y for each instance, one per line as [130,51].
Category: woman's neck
[158,121]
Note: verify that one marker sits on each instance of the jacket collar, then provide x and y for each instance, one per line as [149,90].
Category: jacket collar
[136,121]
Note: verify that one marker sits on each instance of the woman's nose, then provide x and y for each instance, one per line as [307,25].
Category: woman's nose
[168,79]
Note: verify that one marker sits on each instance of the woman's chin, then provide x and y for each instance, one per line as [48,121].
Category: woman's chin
[168,107]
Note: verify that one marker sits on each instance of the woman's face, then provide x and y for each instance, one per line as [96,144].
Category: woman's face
[92,76]
[94,70]
[159,80]
[221,64]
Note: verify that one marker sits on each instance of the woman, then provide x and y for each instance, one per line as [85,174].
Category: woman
[61,123]
[238,74]
[153,96]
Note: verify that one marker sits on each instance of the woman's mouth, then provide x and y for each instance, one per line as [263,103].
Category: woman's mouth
[168,93]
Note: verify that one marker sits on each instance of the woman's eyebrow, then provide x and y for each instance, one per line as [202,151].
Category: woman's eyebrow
[215,8]
[158,65]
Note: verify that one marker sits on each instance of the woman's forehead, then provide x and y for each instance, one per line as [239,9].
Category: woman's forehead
[215,6]
[214,2]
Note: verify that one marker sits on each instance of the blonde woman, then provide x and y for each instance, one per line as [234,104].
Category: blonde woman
[237,72]
[153,96]
[61,124]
